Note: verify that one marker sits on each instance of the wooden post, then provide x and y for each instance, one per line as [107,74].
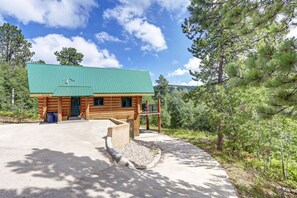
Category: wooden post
[59,109]
[136,117]
[44,108]
[87,108]
[147,116]
[159,116]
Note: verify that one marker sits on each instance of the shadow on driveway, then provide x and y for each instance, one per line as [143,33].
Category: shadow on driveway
[86,178]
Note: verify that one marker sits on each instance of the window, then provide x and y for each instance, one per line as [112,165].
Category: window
[127,102]
[98,101]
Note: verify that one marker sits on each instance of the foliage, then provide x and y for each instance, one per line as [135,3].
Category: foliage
[69,56]
[15,78]
[18,115]
[182,115]
[161,89]
[221,32]
[265,147]
[273,66]
[14,49]
[14,92]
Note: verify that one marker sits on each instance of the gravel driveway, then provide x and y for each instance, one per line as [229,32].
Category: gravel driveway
[69,160]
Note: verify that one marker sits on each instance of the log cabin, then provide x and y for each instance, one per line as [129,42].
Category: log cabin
[78,92]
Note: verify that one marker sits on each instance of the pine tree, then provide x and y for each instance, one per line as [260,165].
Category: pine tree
[275,67]
[14,49]
[222,30]
[69,56]
[161,89]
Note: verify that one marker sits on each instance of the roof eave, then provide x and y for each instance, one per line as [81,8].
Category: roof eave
[95,95]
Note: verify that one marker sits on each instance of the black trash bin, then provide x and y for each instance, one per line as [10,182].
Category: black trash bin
[50,118]
[55,117]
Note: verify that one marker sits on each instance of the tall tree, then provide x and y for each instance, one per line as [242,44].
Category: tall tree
[222,30]
[14,49]
[14,79]
[161,89]
[69,56]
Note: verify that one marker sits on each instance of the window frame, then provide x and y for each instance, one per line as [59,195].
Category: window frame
[98,105]
[130,98]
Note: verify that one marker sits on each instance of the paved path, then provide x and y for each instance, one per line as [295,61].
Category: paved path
[69,160]
[191,171]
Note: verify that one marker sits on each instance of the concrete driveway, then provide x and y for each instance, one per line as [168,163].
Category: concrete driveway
[36,157]
[69,160]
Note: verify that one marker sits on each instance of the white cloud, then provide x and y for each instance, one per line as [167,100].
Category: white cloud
[104,36]
[55,13]
[191,83]
[131,16]
[148,33]
[178,72]
[192,64]
[44,48]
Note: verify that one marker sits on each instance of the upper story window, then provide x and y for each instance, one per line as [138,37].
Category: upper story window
[98,101]
[126,101]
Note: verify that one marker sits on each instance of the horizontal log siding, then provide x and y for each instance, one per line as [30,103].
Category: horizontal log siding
[40,107]
[112,107]
[52,105]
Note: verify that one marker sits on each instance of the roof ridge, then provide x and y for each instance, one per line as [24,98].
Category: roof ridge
[82,66]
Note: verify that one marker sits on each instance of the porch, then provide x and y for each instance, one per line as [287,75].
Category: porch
[151,109]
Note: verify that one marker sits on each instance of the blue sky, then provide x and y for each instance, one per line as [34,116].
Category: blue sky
[129,34]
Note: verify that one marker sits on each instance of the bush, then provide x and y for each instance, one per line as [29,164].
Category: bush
[19,115]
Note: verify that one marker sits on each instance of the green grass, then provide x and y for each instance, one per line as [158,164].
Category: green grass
[243,171]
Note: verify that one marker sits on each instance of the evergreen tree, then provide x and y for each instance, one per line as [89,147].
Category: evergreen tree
[14,49]
[69,56]
[222,30]
[273,66]
[15,78]
[161,89]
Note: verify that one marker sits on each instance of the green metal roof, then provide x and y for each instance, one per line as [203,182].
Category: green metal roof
[57,80]
[73,91]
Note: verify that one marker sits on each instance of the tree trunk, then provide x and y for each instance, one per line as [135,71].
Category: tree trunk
[220,81]
[283,161]
[221,71]
[282,152]
[220,138]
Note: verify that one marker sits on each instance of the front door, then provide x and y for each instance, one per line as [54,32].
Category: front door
[75,106]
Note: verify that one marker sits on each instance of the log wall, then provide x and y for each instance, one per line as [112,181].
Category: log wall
[112,107]
[52,106]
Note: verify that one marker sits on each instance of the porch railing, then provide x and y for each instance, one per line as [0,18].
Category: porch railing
[149,108]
